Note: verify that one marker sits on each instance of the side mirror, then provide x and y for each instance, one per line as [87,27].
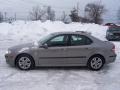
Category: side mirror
[44,46]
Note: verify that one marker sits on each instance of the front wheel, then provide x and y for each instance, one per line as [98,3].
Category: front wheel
[96,63]
[25,62]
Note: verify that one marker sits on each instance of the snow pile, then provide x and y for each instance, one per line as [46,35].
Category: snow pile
[33,30]
[54,79]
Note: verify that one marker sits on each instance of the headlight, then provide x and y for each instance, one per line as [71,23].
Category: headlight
[8,52]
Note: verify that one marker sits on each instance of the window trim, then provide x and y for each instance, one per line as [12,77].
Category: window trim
[66,35]
[80,35]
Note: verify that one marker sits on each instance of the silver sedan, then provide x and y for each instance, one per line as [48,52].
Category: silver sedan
[62,49]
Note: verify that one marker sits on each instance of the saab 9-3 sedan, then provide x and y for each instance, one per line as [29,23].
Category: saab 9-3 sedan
[62,49]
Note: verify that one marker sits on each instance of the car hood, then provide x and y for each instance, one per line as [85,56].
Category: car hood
[23,47]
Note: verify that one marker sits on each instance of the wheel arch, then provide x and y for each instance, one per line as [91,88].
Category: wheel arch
[23,54]
[99,55]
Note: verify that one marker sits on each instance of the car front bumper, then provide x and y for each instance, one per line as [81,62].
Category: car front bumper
[113,37]
[10,59]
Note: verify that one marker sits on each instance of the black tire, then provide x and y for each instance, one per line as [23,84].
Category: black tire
[108,39]
[92,64]
[27,59]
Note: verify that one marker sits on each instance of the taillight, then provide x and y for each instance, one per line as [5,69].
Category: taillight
[113,48]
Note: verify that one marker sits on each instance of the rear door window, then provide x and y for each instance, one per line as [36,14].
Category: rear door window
[80,40]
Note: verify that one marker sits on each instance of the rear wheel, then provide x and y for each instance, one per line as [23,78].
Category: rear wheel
[25,62]
[96,63]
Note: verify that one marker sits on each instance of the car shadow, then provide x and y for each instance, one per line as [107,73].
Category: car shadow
[105,69]
[63,68]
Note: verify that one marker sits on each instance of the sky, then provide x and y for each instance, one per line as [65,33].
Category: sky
[23,7]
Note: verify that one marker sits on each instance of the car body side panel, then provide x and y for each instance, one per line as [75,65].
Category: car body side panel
[80,54]
[51,56]
[64,56]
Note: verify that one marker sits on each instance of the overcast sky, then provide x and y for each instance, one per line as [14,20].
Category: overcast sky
[22,7]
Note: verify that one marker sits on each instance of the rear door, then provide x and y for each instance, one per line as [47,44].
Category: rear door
[79,49]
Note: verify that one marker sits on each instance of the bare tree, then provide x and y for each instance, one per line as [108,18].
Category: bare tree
[1,17]
[64,17]
[74,15]
[44,13]
[94,12]
[50,14]
[37,13]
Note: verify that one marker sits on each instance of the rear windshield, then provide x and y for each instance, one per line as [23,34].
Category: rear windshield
[114,29]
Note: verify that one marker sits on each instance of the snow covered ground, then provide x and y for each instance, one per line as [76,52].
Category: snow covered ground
[54,78]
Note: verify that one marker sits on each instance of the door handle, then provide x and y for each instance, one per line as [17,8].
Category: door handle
[88,48]
[63,49]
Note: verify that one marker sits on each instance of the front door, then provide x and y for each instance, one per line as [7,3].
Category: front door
[55,53]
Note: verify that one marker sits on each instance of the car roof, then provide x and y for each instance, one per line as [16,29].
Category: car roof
[115,27]
[80,33]
[70,32]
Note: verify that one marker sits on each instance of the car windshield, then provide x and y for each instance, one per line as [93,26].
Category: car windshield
[44,39]
[114,29]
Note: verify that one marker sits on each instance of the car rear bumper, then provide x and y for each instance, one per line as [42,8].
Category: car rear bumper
[10,59]
[111,59]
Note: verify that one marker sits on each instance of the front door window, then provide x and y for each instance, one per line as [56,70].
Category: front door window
[58,41]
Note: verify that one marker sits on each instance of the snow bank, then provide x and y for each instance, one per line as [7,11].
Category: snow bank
[33,30]
[54,79]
